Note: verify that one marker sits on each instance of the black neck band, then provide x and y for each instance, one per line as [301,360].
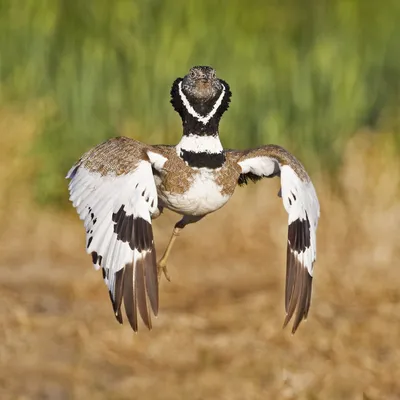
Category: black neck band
[203,159]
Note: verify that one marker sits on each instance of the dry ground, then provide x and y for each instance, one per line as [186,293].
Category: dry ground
[219,331]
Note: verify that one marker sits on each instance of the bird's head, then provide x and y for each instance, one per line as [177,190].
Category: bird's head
[201,85]
[200,97]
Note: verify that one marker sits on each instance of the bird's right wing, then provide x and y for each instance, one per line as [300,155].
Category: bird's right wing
[113,190]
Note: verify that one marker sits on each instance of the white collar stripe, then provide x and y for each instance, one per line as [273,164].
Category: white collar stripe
[204,119]
[200,144]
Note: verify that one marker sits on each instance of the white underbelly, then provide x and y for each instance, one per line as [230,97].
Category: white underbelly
[203,196]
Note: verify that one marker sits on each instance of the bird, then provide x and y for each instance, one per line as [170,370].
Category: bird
[121,185]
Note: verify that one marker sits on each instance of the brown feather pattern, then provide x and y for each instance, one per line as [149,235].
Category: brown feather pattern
[298,290]
[137,285]
[137,281]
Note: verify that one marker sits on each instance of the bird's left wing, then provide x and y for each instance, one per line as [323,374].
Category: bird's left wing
[112,187]
[301,203]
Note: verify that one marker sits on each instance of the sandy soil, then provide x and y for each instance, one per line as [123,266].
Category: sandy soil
[219,331]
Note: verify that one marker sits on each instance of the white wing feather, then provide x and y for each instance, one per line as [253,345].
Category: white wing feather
[98,199]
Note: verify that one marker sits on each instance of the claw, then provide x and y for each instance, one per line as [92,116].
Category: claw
[163,269]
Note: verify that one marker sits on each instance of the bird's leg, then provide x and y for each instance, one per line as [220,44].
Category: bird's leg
[162,264]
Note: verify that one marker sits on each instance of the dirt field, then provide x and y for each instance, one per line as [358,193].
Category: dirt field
[219,331]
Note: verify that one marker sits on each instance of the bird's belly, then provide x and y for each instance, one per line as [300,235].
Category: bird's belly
[202,197]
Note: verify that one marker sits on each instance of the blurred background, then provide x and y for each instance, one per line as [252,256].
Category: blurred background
[321,78]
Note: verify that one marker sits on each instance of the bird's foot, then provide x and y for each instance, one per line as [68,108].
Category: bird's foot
[162,269]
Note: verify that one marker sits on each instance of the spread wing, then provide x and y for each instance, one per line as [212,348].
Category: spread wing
[112,188]
[301,203]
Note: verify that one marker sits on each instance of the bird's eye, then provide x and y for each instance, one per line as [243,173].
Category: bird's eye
[213,74]
[192,74]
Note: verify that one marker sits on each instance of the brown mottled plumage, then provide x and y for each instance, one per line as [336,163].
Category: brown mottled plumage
[118,155]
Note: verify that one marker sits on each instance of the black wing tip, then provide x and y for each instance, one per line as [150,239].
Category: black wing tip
[151,279]
[136,285]
[141,295]
[129,297]
[298,290]
[116,308]
[301,304]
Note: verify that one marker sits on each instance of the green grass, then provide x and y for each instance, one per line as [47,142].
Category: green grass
[304,74]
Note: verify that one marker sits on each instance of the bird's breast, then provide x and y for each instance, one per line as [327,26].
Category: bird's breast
[198,194]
